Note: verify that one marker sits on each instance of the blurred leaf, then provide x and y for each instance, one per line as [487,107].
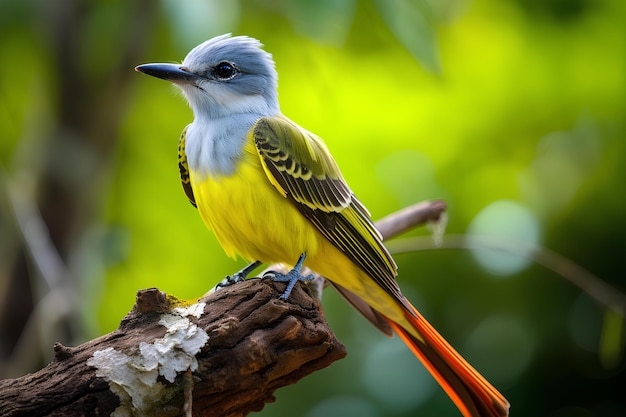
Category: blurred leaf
[16,13]
[327,21]
[411,22]
[197,20]
[611,339]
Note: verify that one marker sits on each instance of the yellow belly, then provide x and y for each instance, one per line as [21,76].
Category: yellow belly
[250,217]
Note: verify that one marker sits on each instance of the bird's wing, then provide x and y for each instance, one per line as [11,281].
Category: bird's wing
[302,169]
[183,168]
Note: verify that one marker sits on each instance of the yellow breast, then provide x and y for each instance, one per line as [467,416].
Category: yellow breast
[250,217]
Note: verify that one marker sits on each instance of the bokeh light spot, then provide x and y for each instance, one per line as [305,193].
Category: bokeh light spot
[501,347]
[510,221]
[395,377]
[410,176]
[585,322]
[343,405]
[199,19]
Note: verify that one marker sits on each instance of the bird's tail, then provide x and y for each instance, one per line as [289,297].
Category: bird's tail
[470,391]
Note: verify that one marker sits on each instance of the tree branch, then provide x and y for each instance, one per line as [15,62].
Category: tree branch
[242,343]
[410,217]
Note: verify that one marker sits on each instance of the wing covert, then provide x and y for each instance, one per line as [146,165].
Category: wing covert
[300,165]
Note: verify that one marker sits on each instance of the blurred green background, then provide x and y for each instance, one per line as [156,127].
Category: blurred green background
[512,111]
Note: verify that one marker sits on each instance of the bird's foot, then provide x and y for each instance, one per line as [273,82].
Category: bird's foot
[291,277]
[237,276]
[230,280]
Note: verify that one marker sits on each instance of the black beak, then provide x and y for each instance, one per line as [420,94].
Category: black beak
[170,72]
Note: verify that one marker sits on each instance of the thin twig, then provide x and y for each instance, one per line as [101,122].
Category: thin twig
[410,217]
[36,238]
[591,284]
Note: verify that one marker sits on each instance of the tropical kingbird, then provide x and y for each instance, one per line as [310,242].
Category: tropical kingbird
[272,193]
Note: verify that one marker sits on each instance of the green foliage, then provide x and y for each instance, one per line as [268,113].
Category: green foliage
[497,107]
[411,22]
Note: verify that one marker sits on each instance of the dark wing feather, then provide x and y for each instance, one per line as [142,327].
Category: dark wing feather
[183,168]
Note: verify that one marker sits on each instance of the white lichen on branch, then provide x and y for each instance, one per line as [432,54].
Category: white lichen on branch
[132,376]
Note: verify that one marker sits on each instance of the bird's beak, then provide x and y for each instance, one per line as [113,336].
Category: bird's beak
[170,72]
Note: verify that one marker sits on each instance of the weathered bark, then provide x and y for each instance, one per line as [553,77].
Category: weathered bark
[256,344]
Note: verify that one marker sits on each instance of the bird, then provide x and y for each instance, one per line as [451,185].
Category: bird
[271,192]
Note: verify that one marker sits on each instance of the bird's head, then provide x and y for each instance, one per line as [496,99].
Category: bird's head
[224,76]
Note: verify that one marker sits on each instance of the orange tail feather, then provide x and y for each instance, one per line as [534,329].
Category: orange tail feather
[471,392]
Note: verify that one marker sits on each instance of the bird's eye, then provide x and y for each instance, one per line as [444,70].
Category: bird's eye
[225,70]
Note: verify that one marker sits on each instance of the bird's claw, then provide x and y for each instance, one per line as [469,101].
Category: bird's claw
[237,276]
[230,280]
[291,278]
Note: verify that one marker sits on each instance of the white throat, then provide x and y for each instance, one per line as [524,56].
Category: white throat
[216,138]
[214,146]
